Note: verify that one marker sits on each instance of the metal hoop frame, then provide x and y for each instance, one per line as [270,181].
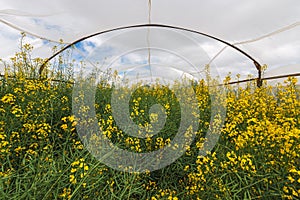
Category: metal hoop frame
[256,63]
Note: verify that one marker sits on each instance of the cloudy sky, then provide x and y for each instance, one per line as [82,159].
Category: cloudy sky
[267,30]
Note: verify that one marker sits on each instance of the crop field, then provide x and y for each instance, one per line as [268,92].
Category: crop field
[257,155]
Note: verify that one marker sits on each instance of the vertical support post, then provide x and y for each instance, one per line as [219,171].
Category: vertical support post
[259,79]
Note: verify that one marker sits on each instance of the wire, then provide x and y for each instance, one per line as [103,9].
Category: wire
[148,38]
[29,33]
[283,29]
[11,12]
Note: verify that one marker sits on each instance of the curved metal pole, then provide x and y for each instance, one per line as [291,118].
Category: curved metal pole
[257,65]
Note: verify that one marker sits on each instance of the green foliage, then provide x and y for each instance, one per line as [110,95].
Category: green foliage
[42,157]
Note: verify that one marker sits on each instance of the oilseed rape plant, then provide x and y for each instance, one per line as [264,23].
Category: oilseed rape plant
[257,155]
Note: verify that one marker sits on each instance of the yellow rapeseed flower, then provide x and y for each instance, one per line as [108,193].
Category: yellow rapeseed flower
[64,126]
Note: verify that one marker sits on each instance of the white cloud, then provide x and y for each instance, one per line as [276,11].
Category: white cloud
[232,20]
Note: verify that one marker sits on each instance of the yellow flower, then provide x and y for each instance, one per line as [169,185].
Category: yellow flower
[75,163]
[18,149]
[8,98]
[291,179]
[64,119]
[186,168]
[66,192]
[285,189]
[72,179]
[71,118]
[73,170]
[80,165]
[64,126]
